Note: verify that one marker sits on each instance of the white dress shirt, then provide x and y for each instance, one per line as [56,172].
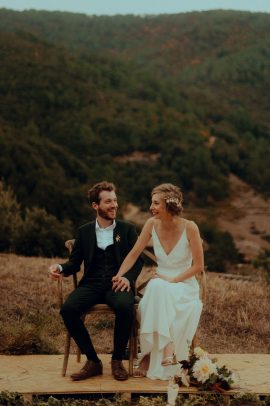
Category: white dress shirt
[104,235]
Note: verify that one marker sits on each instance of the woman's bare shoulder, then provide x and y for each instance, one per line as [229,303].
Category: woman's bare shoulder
[148,225]
[191,226]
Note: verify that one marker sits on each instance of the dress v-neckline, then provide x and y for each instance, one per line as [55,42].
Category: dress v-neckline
[179,239]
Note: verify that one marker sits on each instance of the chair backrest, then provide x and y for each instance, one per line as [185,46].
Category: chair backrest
[201,278]
[69,244]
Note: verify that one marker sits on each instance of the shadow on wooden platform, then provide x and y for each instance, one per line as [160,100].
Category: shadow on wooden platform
[41,375]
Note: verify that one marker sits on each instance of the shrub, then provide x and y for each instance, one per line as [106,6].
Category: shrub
[10,218]
[41,234]
[24,338]
[221,249]
[262,261]
[12,399]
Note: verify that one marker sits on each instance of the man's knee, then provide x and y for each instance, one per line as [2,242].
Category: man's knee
[67,311]
[124,304]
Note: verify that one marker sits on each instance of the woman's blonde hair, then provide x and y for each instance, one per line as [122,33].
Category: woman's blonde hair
[172,196]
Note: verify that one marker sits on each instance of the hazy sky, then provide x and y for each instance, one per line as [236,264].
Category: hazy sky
[111,7]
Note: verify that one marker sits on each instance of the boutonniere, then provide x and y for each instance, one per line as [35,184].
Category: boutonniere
[117,238]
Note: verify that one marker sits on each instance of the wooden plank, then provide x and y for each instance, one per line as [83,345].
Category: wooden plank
[41,374]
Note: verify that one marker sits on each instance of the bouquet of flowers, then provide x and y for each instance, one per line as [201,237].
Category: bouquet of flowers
[202,371]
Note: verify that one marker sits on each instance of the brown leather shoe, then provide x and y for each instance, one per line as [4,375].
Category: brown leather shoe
[89,369]
[118,370]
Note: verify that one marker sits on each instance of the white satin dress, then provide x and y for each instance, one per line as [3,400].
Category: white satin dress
[169,312]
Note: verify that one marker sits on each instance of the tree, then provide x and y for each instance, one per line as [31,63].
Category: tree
[41,234]
[10,219]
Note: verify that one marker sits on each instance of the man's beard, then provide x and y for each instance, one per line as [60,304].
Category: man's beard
[105,214]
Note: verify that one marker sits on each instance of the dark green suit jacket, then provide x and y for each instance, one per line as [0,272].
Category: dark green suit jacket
[124,235]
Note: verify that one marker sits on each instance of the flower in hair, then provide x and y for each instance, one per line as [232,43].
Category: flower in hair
[173,200]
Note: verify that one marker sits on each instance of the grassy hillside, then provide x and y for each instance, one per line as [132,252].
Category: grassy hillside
[30,322]
[177,98]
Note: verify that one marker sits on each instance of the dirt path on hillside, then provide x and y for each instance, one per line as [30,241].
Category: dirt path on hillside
[135,215]
[247,218]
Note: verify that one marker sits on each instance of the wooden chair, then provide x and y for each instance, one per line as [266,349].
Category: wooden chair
[106,310]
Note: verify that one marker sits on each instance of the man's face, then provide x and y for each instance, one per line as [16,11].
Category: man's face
[107,207]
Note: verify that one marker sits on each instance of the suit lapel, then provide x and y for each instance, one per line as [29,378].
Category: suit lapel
[92,240]
[116,242]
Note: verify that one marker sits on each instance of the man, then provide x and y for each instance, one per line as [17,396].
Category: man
[102,245]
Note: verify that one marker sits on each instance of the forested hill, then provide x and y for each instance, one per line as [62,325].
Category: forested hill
[137,100]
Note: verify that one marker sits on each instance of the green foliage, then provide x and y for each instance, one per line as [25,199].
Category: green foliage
[41,234]
[10,218]
[32,232]
[81,94]
[151,401]
[91,400]
[211,399]
[220,250]
[15,399]
[12,399]
[246,399]
[263,262]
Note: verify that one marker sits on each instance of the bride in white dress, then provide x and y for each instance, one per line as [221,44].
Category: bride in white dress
[170,309]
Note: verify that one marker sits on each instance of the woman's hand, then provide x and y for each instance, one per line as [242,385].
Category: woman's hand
[165,278]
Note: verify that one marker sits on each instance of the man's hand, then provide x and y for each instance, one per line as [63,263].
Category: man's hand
[120,283]
[54,272]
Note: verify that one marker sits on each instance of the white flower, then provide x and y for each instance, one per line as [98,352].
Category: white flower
[199,352]
[236,380]
[203,368]
[173,200]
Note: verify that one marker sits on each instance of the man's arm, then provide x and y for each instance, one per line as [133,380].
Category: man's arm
[76,257]
[72,265]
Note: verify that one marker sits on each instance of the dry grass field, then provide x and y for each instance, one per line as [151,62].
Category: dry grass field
[235,318]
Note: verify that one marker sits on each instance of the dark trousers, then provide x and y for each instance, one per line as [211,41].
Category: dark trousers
[86,296]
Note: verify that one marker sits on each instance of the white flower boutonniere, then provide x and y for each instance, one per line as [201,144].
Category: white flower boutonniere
[117,238]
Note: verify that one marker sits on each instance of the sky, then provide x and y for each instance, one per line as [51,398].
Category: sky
[112,7]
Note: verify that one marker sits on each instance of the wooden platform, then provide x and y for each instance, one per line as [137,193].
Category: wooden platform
[41,374]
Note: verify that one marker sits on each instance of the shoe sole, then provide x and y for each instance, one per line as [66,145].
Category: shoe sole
[142,375]
[88,377]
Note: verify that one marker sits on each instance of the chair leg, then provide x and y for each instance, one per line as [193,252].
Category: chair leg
[136,338]
[66,354]
[78,355]
[195,340]
[133,344]
[131,352]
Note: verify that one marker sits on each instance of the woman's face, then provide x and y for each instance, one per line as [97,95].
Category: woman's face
[158,207]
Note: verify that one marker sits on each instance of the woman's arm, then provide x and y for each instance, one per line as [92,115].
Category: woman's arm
[197,266]
[137,249]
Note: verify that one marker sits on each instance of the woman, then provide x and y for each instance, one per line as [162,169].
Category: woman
[170,308]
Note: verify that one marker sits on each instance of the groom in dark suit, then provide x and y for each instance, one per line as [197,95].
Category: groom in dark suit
[102,245]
